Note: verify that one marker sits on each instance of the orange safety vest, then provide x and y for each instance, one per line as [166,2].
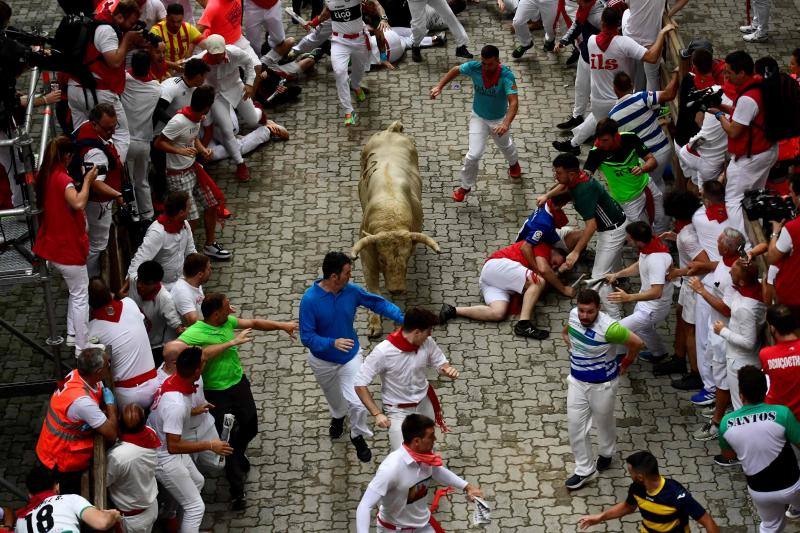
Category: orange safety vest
[65,443]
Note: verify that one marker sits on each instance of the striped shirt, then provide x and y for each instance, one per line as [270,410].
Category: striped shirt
[637,113]
[177,45]
[665,510]
[593,354]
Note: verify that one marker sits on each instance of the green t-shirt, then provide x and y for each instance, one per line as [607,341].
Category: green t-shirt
[616,166]
[225,370]
[592,200]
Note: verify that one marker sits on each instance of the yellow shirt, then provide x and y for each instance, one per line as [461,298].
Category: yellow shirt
[177,44]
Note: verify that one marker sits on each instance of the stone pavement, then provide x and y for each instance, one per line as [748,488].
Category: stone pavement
[507,411]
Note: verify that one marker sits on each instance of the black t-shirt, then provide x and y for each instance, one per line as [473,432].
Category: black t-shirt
[397,12]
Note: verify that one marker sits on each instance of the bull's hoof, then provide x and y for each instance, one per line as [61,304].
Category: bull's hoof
[374,327]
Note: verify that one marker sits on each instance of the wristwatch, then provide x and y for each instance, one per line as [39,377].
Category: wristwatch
[384,17]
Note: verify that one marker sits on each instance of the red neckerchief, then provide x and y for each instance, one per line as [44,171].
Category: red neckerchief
[175,383]
[617,142]
[730,260]
[751,291]
[170,226]
[152,297]
[144,79]
[34,502]
[717,212]
[680,224]
[400,342]
[583,12]
[655,246]
[207,59]
[604,39]
[559,217]
[583,177]
[146,438]
[490,80]
[191,114]
[110,312]
[433,459]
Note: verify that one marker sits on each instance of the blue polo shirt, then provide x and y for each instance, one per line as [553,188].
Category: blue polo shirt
[490,103]
[539,227]
[325,317]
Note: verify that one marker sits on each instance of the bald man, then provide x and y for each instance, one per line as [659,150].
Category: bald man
[131,472]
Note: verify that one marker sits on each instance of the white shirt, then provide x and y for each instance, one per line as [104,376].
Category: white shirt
[139,100]
[131,476]
[86,409]
[346,17]
[708,231]
[636,112]
[225,77]
[720,284]
[688,245]
[642,21]
[746,110]
[653,270]
[403,378]
[187,298]
[198,399]
[161,318]
[168,249]
[131,355]
[784,242]
[715,141]
[105,40]
[65,511]
[151,12]
[621,56]
[182,132]
[177,94]
[170,413]
[742,332]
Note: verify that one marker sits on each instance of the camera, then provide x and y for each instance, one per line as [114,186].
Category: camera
[702,99]
[102,170]
[151,38]
[763,204]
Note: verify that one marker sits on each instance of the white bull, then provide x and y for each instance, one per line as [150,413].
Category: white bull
[390,191]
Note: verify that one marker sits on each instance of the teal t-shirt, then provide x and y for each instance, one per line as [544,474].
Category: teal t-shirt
[491,103]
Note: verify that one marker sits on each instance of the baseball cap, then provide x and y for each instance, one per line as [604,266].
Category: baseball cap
[215,44]
[705,44]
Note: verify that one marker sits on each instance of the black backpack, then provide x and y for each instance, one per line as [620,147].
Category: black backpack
[780,98]
[73,36]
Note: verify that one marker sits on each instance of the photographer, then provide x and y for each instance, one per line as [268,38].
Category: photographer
[784,246]
[702,158]
[62,238]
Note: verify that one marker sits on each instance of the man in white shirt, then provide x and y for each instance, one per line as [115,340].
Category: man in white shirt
[151,12]
[176,93]
[401,483]
[168,240]
[703,158]
[139,101]
[402,361]
[187,293]
[642,22]
[131,472]
[654,299]
[169,418]
[119,324]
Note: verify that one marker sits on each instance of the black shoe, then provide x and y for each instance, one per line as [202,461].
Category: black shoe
[416,54]
[336,428]
[570,123]
[573,58]
[525,328]
[239,503]
[575,481]
[462,51]
[549,46]
[690,381]
[566,146]
[447,312]
[673,365]
[520,50]
[362,450]
[603,463]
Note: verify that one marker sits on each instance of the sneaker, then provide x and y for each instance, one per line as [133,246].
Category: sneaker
[793,512]
[704,397]
[336,428]
[242,172]
[603,463]
[690,382]
[361,95]
[70,340]
[747,29]
[447,312]
[350,119]
[549,46]
[721,460]
[362,450]
[239,503]
[707,431]
[575,481]
[573,57]
[520,50]
[460,194]
[570,123]
[462,51]
[216,251]
[755,37]
[525,328]
[566,146]
[707,411]
[416,54]
[673,365]
[439,39]
[650,358]
[514,171]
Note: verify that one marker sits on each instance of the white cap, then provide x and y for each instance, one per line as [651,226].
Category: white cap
[215,44]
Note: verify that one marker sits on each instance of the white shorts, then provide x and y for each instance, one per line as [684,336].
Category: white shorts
[500,278]
[719,362]
[686,298]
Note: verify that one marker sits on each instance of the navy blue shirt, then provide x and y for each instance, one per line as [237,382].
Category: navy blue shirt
[539,227]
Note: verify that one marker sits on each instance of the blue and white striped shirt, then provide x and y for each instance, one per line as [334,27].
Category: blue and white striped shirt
[637,113]
[593,354]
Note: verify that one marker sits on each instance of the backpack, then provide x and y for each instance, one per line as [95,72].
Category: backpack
[780,96]
[73,36]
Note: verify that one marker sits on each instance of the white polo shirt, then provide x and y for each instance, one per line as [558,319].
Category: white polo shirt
[708,231]
[653,270]
[403,374]
[187,298]
[131,476]
[131,355]
[64,510]
[170,413]
[168,249]
[621,55]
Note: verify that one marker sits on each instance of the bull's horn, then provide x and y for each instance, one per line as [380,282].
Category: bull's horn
[364,241]
[426,240]
[395,126]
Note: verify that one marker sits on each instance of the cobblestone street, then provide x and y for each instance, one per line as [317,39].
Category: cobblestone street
[507,411]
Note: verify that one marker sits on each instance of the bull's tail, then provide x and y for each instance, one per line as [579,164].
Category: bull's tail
[395,126]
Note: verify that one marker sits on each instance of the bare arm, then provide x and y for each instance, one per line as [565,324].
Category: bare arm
[590,226]
[670,91]
[268,325]
[653,53]
[213,350]
[680,4]
[555,191]
[100,520]
[78,200]
[618,511]
[707,522]
[176,445]
[109,428]
[447,78]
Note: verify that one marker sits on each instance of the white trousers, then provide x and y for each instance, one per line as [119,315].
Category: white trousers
[761,16]
[248,115]
[247,144]
[663,158]
[644,324]
[98,220]
[419,20]
[583,88]
[181,479]
[607,259]
[80,107]
[479,130]
[636,209]
[771,506]
[647,75]
[545,10]
[424,529]
[336,382]
[244,44]
[77,280]
[138,167]
[346,52]
[733,376]
[586,129]
[258,20]
[701,313]
[207,461]
[589,403]
[745,174]
[699,169]
[142,522]
[396,415]
[141,395]
[315,38]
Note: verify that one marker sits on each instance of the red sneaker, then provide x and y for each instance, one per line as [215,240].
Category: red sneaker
[514,171]
[460,194]
[242,174]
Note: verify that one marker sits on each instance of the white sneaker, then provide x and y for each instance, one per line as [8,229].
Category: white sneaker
[707,431]
[747,29]
[707,412]
[216,251]
[793,512]
[755,37]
